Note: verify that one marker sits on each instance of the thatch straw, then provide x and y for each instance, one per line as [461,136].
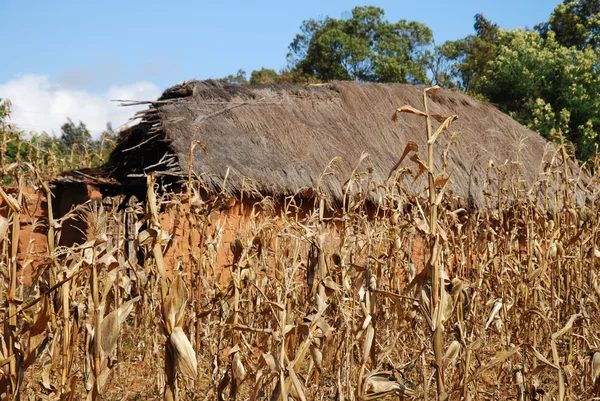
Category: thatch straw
[281,138]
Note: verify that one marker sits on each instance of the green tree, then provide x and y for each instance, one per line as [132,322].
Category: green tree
[364,47]
[239,78]
[553,89]
[72,134]
[469,57]
[270,76]
[574,23]
[264,76]
[110,132]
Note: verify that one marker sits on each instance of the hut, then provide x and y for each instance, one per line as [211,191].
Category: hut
[280,140]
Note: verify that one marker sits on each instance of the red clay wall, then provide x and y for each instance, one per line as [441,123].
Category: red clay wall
[32,232]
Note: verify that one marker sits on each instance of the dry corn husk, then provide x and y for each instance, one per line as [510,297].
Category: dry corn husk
[185,356]
[379,384]
[4,223]
[595,366]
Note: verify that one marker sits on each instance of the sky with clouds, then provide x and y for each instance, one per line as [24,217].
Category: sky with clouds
[70,58]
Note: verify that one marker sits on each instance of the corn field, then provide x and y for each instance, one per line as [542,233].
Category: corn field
[415,297]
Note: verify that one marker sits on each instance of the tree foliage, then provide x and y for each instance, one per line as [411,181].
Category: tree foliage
[470,56]
[547,79]
[239,78]
[263,76]
[574,23]
[364,47]
[553,89]
[72,134]
[50,155]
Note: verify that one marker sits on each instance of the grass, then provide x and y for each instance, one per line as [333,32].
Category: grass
[503,304]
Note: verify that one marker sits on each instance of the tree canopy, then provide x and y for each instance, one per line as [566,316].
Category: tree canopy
[548,78]
[574,23]
[75,134]
[469,57]
[364,47]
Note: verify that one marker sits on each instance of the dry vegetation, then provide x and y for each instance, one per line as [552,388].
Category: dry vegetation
[503,303]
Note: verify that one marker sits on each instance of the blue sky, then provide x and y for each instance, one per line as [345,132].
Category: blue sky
[67,53]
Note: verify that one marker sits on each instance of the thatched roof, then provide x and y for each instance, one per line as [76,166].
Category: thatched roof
[282,138]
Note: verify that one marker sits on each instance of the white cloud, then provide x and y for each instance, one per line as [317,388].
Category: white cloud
[38,104]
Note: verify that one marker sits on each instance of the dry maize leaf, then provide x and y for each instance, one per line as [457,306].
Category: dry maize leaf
[101,380]
[316,355]
[407,109]
[432,90]
[69,395]
[475,345]
[567,326]
[110,326]
[541,357]
[297,390]
[4,223]
[438,117]
[37,333]
[410,147]
[11,166]
[147,236]
[223,385]
[272,362]
[422,225]
[442,128]
[495,310]
[324,327]
[493,362]
[288,328]
[45,382]
[535,274]
[457,287]
[101,239]
[442,181]
[125,284]
[420,163]
[93,393]
[569,370]
[88,255]
[107,282]
[330,284]
[520,384]
[366,322]
[452,352]
[108,260]
[185,356]
[175,302]
[442,191]
[277,305]
[10,201]
[239,372]
[233,350]
[370,334]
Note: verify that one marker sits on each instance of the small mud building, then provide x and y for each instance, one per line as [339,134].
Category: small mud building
[280,140]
